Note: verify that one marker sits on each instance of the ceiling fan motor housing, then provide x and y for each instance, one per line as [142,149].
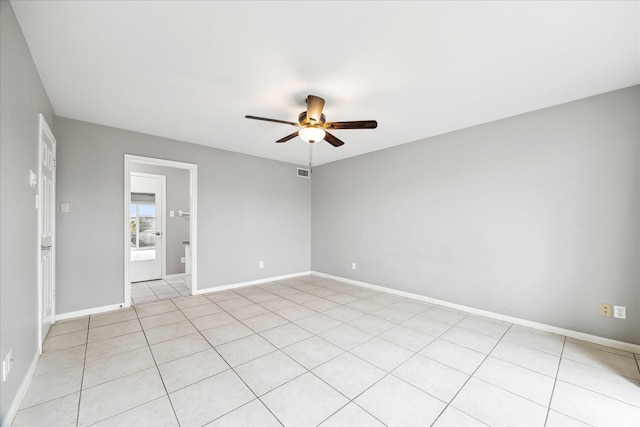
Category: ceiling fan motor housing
[305,121]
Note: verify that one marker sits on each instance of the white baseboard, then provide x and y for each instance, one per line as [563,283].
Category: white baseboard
[22,391]
[88,311]
[620,345]
[252,282]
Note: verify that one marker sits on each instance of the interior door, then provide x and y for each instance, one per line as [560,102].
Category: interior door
[146,219]
[46,203]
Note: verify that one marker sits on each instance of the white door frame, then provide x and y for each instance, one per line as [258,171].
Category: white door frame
[193,222]
[45,131]
[162,214]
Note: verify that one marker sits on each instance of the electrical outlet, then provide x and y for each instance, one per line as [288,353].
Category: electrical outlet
[619,312]
[261,264]
[605,310]
[183,260]
[353,265]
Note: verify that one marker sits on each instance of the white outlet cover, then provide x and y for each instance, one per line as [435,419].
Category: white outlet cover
[619,312]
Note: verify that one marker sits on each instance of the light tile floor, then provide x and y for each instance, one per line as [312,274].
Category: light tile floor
[311,351]
[158,290]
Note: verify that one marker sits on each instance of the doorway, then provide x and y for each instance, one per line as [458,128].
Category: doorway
[146,212]
[149,246]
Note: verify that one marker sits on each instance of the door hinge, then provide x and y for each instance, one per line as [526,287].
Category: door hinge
[54,164]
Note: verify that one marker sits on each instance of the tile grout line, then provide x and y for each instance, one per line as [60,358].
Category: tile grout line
[84,367]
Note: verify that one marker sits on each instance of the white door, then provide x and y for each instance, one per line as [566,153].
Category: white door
[46,203]
[146,219]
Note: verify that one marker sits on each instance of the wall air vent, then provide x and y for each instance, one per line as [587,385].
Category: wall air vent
[304,173]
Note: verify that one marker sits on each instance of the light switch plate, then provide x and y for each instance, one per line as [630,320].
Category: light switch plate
[64,207]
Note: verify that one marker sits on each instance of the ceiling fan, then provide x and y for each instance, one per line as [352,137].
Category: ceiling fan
[314,126]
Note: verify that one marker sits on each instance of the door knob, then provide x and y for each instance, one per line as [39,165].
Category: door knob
[158,233]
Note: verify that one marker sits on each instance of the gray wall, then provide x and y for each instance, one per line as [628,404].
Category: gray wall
[22,98]
[535,216]
[249,209]
[177,182]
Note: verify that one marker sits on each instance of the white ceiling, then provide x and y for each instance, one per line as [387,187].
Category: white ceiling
[191,70]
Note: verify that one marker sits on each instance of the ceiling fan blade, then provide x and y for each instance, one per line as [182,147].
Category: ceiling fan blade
[361,124]
[332,140]
[288,137]
[315,104]
[272,120]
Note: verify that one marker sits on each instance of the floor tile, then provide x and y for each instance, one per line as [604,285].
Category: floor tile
[349,374]
[609,361]
[264,321]
[247,311]
[342,298]
[394,314]
[116,316]
[67,326]
[318,323]
[495,406]
[285,335]
[601,381]
[470,339]
[409,305]
[184,303]
[169,332]
[46,387]
[251,414]
[312,352]
[556,419]
[60,412]
[201,310]
[295,312]
[269,371]
[372,324]
[72,339]
[52,361]
[162,319]
[239,301]
[116,345]
[444,315]
[599,347]
[526,357]
[221,295]
[344,314]
[346,337]
[408,338]
[352,415]
[366,305]
[157,413]
[193,406]
[427,326]
[109,399]
[453,355]
[227,333]
[301,297]
[212,321]
[394,402]
[304,401]
[518,380]
[155,308]
[592,408]
[190,369]
[539,340]
[114,330]
[484,325]
[451,417]
[108,369]
[320,304]
[277,303]
[167,351]
[244,349]
[432,377]
[383,354]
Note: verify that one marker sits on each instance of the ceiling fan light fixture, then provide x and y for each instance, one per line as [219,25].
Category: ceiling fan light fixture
[311,134]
